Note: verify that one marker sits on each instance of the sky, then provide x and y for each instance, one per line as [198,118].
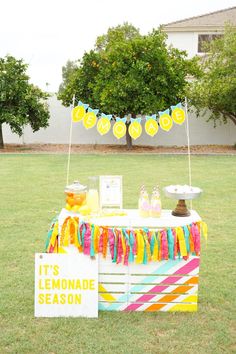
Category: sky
[47,33]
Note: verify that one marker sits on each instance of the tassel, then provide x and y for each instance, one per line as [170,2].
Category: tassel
[96,238]
[152,242]
[175,242]
[105,242]
[135,243]
[171,245]
[186,236]
[119,248]
[159,245]
[87,240]
[196,238]
[127,246]
[204,229]
[191,242]
[146,236]
[83,230]
[79,239]
[92,251]
[49,234]
[181,241]
[115,245]
[65,233]
[140,247]
[164,245]
[155,249]
[131,242]
[111,238]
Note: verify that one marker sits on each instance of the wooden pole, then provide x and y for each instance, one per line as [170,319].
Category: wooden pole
[188,142]
[70,139]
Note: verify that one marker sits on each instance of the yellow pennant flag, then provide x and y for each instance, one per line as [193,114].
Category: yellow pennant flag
[90,118]
[178,115]
[151,125]
[119,128]
[104,124]
[135,128]
[165,120]
[78,113]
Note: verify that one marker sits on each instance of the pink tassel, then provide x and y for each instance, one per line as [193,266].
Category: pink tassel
[175,242]
[135,243]
[119,248]
[111,238]
[87,240]
[164,245]
[197,245]
[196,238]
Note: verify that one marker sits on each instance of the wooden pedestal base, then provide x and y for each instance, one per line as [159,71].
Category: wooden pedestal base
[181,209]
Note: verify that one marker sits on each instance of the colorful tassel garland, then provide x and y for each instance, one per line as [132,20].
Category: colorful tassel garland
[127,245]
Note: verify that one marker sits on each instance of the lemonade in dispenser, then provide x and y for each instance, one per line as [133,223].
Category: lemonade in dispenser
[93,196]
[75,196]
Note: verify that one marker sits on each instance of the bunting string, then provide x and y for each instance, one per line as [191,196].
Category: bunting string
[163,119]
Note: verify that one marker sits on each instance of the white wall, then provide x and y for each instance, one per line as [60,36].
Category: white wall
[201,132]
[184,41]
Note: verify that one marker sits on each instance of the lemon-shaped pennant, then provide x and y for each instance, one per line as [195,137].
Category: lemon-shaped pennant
[78,112]
[151,125]
[165,120]
[119,128]
[135,128]
[90,118]
[178,114]
[104,124]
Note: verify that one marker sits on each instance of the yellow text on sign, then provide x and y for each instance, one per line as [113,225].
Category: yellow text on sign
[66,284]
[90,120]
[178,115]
[119,129]
[103,126]
[151,127]
[135,130]
[59,299]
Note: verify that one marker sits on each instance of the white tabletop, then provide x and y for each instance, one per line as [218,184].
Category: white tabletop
[132,219]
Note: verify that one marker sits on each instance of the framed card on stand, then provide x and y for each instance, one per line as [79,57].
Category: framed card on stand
[111,191]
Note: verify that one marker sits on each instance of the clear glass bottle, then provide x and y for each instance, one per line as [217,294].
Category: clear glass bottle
[143,203]
[155,210]
[93,195]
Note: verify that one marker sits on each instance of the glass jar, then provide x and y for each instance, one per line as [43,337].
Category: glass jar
[75,196]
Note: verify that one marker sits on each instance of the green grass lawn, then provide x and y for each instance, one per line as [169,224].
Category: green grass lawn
[31,193]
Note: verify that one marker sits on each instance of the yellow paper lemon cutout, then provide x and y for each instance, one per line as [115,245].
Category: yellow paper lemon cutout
[178,115]
[135,130]
[78,113]
[119,129]
[90,120]
[165,122]
[151,127]
[103,126]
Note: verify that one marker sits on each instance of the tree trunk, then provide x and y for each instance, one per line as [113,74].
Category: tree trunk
[129,144]
[1,138]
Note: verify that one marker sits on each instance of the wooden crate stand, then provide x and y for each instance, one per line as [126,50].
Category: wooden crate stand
[161,286]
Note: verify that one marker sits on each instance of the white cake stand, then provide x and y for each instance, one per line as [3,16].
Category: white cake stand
[181,207]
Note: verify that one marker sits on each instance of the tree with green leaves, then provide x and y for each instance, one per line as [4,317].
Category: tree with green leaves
[215,90]
[129,74]
[21,102]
